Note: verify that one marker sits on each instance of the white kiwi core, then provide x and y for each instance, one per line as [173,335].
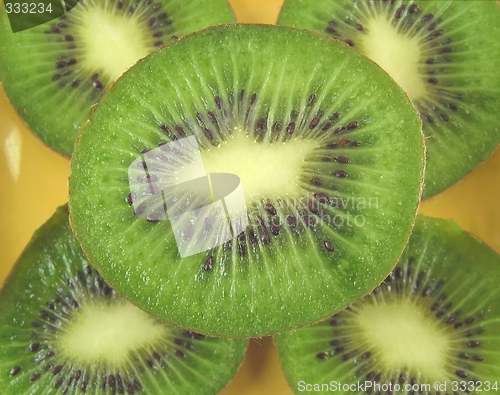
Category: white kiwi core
[396,53]
[108,334]
[264,169]
[113,42]
[403,334]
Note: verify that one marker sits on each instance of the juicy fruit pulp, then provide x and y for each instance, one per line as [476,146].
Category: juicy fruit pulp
[433,320]
[74,334]
[240,183]
[56,72]
[442,53]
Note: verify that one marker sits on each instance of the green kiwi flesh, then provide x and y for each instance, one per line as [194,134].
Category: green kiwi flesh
[55,73]
[444,54]
[328,151]
[63,330]
[433,321]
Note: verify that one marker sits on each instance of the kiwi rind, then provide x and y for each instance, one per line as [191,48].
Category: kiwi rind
[28,69]
[30,315]
[460,125]
[240,295]
[443,268]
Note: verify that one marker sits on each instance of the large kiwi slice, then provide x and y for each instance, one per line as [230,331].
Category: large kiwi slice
[64,331]
[431,327]
[54,73]
[248,180]
[444,54]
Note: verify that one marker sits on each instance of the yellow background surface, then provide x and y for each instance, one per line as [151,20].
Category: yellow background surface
[33,182]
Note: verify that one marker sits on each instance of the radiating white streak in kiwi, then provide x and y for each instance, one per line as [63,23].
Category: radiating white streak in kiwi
[397,54]
[348,183]
[152,374]
[388,329]
[197,102]
[178,377]
[279,82]
[224,129]
[113,41]
[315,261]
[107,334]
[293,242]
[263,172]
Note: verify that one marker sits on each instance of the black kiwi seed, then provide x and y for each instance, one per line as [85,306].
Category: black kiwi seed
[208,263]
[328,246]
[399,12]
[352,125]
[321,197]
[35,377]
[270,209]
[275,229]
[340,173]
[314,123]
[342,159]
[15,370]
[313,208]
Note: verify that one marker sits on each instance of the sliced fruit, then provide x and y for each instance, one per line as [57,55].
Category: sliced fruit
[241,182]
[63,330]
[56,72]
[444,54]
[432,325]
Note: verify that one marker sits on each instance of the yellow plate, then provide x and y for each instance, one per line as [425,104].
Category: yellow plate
[33,182]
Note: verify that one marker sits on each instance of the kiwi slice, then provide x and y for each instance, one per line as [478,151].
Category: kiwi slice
[431,327]
[56,72]
[444,54]
[63,330]
[247,180]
